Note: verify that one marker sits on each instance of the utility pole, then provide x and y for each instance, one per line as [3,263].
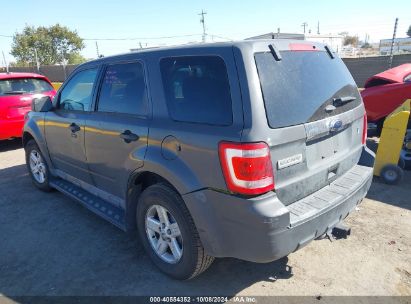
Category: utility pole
[5,63]
[318,28]
[98,53]
[304,25]
[37,60]
[202,20]
[392,43]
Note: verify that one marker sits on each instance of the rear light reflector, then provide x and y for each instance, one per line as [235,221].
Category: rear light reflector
[364,129]
[247,167]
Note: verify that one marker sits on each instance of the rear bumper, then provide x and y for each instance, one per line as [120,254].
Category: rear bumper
[262,229]
[11,128]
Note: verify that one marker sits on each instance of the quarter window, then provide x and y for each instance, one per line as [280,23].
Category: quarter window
[123,90]
[197,89]
[77,94]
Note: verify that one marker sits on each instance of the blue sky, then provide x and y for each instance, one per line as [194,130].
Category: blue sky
[231,19]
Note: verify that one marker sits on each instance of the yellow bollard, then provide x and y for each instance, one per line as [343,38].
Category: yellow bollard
[391,142]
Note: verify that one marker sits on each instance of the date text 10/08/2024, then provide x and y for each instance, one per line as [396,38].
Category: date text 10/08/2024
[198,299]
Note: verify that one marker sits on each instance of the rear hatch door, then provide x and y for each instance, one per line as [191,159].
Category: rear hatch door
[315,118]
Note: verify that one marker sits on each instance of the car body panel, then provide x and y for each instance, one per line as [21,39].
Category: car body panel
[13,108]
[386,91]
[394,75]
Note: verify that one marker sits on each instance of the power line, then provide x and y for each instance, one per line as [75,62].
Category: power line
[141,38]
[222,37]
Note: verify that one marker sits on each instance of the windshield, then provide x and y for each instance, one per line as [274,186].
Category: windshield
[407,78]
[297,89]
[20,86]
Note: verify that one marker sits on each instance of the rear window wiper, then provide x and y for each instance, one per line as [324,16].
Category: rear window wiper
[340,101]
[275,52]
[13,92]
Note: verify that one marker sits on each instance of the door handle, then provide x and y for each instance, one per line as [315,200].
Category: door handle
[74,128]
[129,136]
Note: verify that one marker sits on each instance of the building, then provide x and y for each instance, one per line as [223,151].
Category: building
[273,35]
[401,45]
[336,42]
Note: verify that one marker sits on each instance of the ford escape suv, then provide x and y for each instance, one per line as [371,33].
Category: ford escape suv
[246,149]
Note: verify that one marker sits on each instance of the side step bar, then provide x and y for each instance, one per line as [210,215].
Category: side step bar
[113,214]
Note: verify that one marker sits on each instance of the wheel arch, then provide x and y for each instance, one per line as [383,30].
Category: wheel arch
[138,182]
[27,137]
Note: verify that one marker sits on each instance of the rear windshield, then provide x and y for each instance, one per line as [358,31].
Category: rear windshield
[18,86]
[297,89]
[407,78]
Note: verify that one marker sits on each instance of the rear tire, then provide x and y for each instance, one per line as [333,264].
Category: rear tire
[37,166]
[159,243]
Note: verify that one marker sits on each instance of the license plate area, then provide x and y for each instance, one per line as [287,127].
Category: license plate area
[323,149]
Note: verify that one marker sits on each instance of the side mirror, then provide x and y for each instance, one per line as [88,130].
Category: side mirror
[42,104]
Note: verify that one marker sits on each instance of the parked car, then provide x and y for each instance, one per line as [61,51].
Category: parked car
[385,92]
[16,93]
[247,149]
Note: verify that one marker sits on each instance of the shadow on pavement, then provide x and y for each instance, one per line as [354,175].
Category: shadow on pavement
[51,245]
[9,145]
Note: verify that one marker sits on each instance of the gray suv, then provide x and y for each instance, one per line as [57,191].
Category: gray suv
[246,149]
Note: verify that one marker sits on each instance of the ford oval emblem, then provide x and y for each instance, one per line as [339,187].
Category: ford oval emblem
[336,125]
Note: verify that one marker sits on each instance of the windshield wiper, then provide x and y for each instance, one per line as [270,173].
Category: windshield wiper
[340,101]
[275,52]
[13,92]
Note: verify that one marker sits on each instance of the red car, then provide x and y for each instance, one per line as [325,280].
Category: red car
[16,93]
[386,91]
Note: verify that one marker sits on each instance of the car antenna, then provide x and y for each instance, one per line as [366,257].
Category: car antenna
[275,52]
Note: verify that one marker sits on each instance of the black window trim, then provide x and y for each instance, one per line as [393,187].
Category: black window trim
[93,92]
[94,107]
[229,86]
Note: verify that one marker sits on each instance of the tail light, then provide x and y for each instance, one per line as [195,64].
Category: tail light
[364,130]
[247,167]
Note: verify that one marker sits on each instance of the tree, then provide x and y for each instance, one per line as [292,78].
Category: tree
[53,44]
[350,40]
[76,58]
[409,31]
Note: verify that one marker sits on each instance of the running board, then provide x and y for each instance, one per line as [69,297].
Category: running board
[106,210]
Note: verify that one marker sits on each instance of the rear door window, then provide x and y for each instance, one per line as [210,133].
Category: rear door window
[297,89]
[197,89]
[123,90]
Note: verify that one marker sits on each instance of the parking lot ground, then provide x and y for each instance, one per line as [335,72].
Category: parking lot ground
[50,245]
